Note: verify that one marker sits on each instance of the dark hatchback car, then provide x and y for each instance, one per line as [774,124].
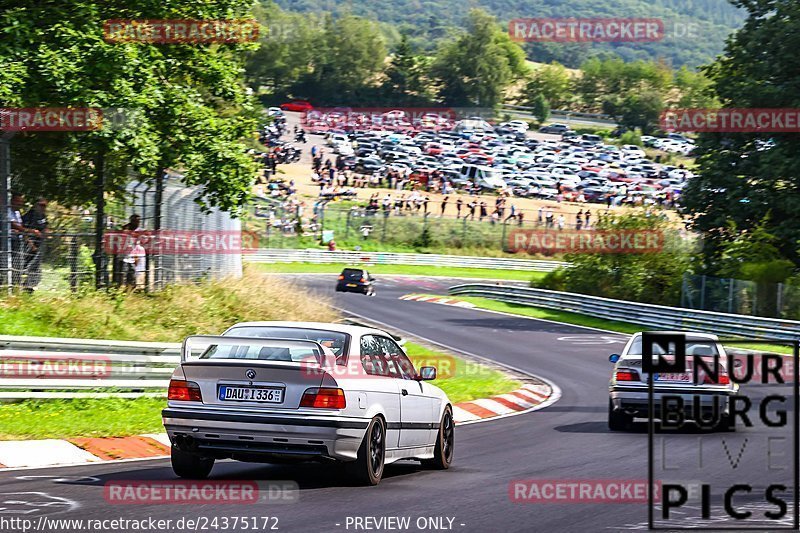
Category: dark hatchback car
[356,280]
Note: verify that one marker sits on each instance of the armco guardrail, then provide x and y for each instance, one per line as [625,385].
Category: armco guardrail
[44,367]
[656,316]
[279,255]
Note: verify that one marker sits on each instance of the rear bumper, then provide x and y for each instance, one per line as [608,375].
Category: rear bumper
[696,403]
[360,288]
[264,437]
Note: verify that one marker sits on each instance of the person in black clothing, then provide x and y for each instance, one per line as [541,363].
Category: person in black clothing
[459,203]
[35,219]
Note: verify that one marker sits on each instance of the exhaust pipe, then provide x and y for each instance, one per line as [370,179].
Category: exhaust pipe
[185,443]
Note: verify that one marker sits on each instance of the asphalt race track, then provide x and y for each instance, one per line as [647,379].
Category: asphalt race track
[566,441]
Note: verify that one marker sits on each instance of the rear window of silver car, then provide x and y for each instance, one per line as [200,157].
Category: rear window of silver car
[693,347]
[336,341]
[282,351]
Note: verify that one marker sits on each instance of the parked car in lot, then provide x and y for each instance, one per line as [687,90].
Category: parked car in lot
[628,387]
[368,165]
[294,391]
[297,105]
[554,128]
[356,280]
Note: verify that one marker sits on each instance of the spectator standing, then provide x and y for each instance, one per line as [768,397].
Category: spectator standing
[136,265]
[579,220]
[483,211]
[459,204]
[512,212]
[588,218]
[444,205]
[561,221]
[471,206]
[18,237]
[35,219]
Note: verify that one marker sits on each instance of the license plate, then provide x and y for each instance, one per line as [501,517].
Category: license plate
[250,394]
[681,377]
[351,284]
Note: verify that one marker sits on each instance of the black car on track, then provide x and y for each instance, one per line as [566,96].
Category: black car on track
[356,280]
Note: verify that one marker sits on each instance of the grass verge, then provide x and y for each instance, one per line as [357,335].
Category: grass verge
[165,316]
[461,380]
[417,270]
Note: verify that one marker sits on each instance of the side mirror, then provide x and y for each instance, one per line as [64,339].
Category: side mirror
[427,373]
[614,357]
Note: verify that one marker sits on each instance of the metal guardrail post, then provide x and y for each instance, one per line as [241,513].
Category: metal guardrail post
[73,263]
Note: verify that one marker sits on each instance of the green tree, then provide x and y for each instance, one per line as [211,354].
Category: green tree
[744,176]
[404,84]
[540,108]
[57,57]
[553,82]
[636,110]
[347,63]
[475,68]
[653,277]
[288,45]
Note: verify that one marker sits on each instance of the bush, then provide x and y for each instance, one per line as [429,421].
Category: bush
[645,277]
[631,137]
[170,315]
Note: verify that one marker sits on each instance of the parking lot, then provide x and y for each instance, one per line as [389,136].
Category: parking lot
[508,157]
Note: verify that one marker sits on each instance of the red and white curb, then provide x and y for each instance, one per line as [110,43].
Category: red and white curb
[81,450]
[437,300]
[530,397]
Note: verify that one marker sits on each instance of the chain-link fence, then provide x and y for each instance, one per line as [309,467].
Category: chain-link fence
[290,224]
[182,217]
[53,261]
[743,297]
[190,245]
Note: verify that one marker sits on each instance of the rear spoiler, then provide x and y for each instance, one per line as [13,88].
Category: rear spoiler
[212,340]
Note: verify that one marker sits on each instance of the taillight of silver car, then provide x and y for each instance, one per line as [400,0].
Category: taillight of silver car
[722,379]
[627,374]
[323,398]
[185,391]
